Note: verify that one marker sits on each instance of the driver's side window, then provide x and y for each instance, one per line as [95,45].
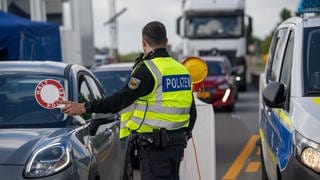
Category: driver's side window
[84,95]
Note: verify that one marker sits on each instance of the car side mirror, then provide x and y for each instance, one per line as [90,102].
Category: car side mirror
[274,95]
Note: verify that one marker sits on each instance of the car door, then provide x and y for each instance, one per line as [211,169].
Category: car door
[273,128]
[103,130]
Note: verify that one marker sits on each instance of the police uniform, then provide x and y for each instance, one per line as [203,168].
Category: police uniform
[161,149]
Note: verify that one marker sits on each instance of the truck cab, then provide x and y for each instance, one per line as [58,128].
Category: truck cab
[216,27]
[289,101]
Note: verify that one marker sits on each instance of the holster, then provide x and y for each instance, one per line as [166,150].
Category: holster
[160,138]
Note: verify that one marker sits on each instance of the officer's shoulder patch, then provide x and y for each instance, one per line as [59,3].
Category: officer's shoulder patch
[134,83]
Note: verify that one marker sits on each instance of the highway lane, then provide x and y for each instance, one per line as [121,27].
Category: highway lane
[237,155]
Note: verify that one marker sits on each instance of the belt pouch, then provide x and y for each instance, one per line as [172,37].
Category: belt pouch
[164,137]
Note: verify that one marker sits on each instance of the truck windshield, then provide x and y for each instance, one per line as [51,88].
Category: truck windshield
[18,106]
[214,26]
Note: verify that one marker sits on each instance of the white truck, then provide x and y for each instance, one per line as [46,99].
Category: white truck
[208,27]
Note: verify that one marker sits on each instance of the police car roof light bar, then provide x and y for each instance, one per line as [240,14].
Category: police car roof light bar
[309,6]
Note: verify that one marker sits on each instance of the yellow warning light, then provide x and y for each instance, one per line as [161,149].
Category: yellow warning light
[197,68]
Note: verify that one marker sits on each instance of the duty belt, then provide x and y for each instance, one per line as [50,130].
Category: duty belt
[163,138]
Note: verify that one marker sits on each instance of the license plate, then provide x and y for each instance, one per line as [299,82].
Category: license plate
[203,95]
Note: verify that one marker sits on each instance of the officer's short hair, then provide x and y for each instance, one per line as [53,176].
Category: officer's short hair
[155,33]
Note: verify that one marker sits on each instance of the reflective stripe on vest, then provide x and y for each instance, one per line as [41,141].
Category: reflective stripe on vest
[157,123]
[125,116]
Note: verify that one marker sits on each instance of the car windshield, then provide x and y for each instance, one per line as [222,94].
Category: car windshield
[112,81]
[19,107]
[214,27]
[312,60]
[215,68]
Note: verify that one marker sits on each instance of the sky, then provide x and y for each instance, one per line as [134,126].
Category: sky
[265,14]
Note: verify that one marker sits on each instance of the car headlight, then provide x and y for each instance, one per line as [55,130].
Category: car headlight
[308,152]
[223,86]
[47,161]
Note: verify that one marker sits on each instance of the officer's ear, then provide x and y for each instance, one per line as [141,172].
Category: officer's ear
[144,43]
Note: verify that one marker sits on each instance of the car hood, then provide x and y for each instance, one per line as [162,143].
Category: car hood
[16,145]
[306,118]
[215,79]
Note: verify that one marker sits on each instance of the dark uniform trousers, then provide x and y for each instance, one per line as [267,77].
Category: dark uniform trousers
[160,158]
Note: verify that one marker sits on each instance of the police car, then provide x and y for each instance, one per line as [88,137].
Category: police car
[289,121]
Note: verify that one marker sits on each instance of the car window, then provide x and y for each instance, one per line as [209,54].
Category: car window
[84,95]
[287,61]
[112,81]
[215,68]
[95,90]
[311,60]
[19,107]
[276,50]
[84,92]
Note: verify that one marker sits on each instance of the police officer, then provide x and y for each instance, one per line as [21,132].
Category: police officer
[157,107]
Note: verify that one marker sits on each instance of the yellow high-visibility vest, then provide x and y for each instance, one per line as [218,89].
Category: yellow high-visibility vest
[167,106]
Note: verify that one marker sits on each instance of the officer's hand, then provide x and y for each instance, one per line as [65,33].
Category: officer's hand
[72,108]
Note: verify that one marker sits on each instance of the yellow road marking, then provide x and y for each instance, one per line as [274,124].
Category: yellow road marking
[237,165]
[253,167]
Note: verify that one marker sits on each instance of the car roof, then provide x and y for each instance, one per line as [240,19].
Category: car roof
[50,67]
[113,67]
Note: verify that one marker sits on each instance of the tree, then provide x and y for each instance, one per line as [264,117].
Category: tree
[264,48]
[285,14]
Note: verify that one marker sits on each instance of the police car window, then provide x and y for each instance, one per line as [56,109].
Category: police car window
[271,54]
[95,90]
[312,56]
[287,61]
[277,57]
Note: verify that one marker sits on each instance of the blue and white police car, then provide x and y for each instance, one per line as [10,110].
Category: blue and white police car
[289,113]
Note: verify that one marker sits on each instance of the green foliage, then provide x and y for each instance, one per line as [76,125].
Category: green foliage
[285,14]
[130,57]
[264,48]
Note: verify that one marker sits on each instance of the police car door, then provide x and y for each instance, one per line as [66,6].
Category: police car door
[273,130]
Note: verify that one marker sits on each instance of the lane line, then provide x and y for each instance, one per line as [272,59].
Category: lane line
[253,167]
[237,165]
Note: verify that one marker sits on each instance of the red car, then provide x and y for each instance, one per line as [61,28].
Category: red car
[219,87]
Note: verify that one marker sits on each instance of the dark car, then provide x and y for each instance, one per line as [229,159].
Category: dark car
[43,143]
[219,87]
[113,76]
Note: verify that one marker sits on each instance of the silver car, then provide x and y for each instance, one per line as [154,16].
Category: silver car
[43,143]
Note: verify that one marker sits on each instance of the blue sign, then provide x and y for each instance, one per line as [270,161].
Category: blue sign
[176,83]
[309,6]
